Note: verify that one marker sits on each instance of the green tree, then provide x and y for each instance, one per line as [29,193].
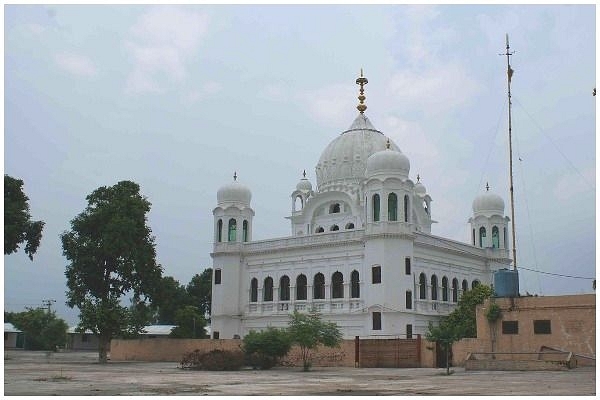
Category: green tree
[43,330]
[200,290]
[309,330]
[18,226]
[463,317]
[264,349]
[111,254]
[171,296]
[445,333]
[190,323]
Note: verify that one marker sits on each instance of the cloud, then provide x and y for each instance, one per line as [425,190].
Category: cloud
[75,64]
[207,90]
[330,105]
[162,40]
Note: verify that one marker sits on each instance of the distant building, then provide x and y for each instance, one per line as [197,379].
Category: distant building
[13,337]
[360,252]
[89,341]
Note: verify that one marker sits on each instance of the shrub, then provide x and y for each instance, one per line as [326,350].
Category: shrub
[215,360]
[264,349]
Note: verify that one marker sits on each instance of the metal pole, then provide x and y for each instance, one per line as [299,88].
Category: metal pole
[512,196]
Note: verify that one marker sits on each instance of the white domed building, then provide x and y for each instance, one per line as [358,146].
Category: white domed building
[361,250]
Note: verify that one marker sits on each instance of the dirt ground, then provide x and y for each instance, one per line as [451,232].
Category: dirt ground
[78,373]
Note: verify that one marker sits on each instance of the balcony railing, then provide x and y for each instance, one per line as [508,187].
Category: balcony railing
[328,306]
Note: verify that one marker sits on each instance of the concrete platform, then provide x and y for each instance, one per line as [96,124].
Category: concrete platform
[78,373]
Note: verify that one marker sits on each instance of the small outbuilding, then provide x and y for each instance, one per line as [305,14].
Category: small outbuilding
[13,337]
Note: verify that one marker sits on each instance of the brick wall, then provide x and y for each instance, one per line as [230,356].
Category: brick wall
[572,320]
[165,349]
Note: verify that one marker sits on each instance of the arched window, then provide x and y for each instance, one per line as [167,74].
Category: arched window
[334,208]
[406,208]
[320,229]
[319,286]
[474,284]
[355,283]
[434,287]
[465,285]
[392,207]
[268,289]
[454,290]
[254,290]
[220,230]
[375,207]
[298,203]
[444,289]
[334,228]
[425,206]
[284,288]
[495,238]
[422,286]
[245,230]
[232,230]
[337,285]
[301,287]
[473,237]
[350,225]
[505,239]
[481,236]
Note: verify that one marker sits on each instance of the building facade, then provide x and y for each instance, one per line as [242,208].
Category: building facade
[360,251]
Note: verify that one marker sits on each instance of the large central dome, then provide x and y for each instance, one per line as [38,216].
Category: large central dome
[344,160]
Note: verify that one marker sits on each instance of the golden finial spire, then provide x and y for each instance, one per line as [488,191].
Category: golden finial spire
[304,174]
[234,176]
[487,187]
[362,81]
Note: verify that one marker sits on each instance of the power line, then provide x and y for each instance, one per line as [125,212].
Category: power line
[554,274]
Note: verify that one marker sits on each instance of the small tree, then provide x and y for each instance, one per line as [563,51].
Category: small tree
[308,331]
[264,349]
[42,329]
[463,317]
[190,323]
[445,334]
[18,226]
[111,254]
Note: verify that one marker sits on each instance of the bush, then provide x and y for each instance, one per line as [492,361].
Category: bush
[264,349]
[215,360]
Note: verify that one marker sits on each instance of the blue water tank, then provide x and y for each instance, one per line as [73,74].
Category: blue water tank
[506,283]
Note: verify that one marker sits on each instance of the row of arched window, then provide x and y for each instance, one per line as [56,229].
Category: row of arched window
[434,288]
[392,208]
[301,288]
[232,230]
[334,227]
[495,237]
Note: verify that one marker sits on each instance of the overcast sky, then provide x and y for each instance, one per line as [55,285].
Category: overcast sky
[178,98]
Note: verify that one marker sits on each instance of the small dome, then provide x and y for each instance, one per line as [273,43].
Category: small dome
[304,185]
[420,189]
[388,162]
[234,192]
[488,203]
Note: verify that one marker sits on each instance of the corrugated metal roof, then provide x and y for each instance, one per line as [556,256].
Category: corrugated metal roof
[158,329]
[10,328]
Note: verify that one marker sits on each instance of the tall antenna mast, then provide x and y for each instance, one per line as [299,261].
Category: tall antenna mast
[509,72]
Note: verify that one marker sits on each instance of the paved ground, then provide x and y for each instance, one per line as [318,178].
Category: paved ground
[78,373]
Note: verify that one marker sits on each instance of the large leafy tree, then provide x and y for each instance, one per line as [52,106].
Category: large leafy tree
[309,330]
[43,330]
[190,323]
[111,255]
[200,290]
[18,226]
[171,296]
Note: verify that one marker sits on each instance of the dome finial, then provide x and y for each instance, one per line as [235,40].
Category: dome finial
[362,81]
[387,144]
[487,187]
[304,174]
[234,176]
[418,178]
